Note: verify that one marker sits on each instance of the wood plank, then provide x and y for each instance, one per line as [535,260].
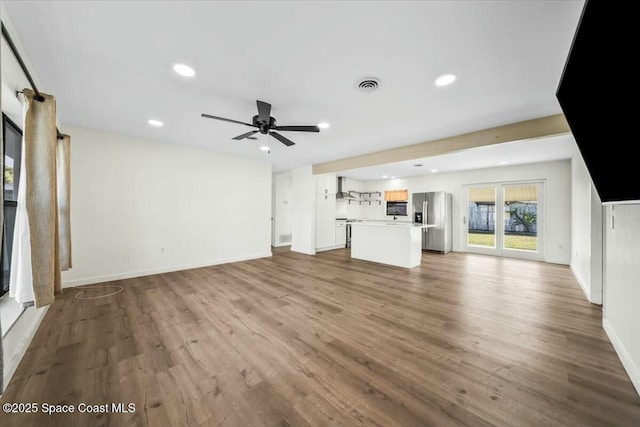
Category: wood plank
[529,129]
[325,340]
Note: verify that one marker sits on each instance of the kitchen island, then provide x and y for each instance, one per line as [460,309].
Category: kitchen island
[393,243]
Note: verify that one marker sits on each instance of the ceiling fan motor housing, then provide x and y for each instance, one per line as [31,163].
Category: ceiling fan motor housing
[264,127]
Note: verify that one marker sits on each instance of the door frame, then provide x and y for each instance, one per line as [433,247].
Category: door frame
[499,249]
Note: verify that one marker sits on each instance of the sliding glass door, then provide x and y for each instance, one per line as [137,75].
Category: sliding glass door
[504,219]
[481,219]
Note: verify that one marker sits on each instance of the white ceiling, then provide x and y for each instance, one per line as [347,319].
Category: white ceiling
[109,66]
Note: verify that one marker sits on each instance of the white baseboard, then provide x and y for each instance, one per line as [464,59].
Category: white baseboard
[279,245]
[329,248]
[21,347]
[141,273]
[302,251]
[585,289]
[632,370]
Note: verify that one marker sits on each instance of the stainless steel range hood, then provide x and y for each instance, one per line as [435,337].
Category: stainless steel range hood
[342,194]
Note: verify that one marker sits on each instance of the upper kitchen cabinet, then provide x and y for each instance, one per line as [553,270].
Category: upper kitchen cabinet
[326,183]
[396,195]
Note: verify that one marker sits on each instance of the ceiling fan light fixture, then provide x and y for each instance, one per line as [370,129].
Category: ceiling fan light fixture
[264,148]
[184,70]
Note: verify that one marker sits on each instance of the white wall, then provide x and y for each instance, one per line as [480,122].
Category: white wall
[597,248]
[282,198]
[557,178]
[141,207]
[586,231]
[378,210]
[18,335]
[621,318]
[303,211]
[581,223]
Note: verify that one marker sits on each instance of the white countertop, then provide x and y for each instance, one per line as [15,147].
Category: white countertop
[390,224]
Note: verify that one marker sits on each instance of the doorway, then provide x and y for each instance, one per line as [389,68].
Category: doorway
[504,219]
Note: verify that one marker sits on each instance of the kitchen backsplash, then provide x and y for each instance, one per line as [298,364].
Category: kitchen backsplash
[374,210]
[341,209]
[355,210]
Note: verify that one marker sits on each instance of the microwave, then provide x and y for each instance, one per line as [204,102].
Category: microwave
[397,208]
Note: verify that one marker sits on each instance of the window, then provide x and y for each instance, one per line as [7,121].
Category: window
[12,138]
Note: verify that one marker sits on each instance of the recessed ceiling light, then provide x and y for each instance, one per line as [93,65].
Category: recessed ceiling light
[393,177]
[385,176]
[504,162]
[323,125]
[446,79]
[434,170]
[184,70]
[156,123]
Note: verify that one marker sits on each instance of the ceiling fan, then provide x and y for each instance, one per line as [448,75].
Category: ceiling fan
[266,125]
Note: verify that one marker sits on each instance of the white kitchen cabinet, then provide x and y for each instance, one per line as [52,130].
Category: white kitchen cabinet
[341,233]
[325,235]
[326,187]
[326,183]
[325,220]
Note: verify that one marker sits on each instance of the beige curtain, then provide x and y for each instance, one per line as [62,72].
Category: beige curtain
[63,172]
[35,264]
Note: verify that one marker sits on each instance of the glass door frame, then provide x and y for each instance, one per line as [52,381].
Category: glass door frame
[499,249]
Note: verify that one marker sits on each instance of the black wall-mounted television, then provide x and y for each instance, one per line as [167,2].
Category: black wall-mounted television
[598,92]
[397,208]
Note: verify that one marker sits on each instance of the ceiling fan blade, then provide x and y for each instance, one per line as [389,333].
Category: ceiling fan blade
[245,135]
[282,139]
[299,128]
[209,116]
[264,111]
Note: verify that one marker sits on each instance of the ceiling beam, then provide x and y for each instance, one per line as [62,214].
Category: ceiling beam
[529,129]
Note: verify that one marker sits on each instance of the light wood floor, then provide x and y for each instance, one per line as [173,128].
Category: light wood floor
[326,340]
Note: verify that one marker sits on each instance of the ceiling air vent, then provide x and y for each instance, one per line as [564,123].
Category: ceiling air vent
[369,84]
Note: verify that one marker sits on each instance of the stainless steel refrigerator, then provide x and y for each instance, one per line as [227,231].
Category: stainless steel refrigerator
[434,208]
